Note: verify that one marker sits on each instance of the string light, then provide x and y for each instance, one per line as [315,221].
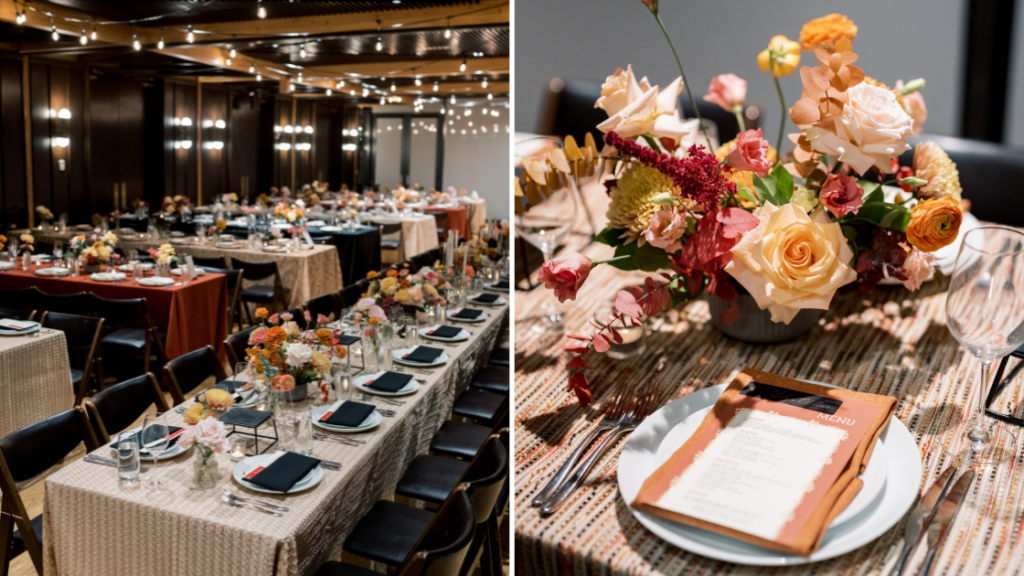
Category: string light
[17,17]
[259,77]
[435,86]
[252,69]
[462,68]
[93,35]
[341,84]
[490,96]
[453,99]
[84,39]
[191,37]
[232,52]
[329,92]
[262,12]
[381,100]
[135,43]
[484,83]
[227,61]
[380,45]
[418,81]
[352,92]
[160,44]
[302,51]
[448,33]
[53,30]
[392,86]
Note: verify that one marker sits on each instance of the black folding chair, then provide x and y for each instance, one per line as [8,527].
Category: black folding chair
[82,335]
[188,371]
[117,407]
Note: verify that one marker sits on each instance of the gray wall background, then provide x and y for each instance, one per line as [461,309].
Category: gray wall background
[897,39]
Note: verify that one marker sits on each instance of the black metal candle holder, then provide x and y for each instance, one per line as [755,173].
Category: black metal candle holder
[247,423]
[347,340]
[999,384]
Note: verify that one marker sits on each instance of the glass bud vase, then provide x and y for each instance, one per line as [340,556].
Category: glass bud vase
[205,471]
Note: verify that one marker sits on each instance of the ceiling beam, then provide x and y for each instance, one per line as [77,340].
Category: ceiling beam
[411,68]
[445,90]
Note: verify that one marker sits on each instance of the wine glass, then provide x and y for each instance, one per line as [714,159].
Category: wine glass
[153,440]
[985,313]
[546,224]
[58,252]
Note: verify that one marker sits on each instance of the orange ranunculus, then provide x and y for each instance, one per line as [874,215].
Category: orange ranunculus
[371,274]
[325,336]
[825,29]
[340,352]
[222,223]
[392,273]
[261,313]
[283,383]
[934,224]
[373,321]
[275,336]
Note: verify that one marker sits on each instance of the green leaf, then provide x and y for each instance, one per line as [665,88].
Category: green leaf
[766,189]
[652,142]
[650,259]
[611,236]
[783,183]
[777,187]
[744,193]
[883,214]
[850,233]
[872,191]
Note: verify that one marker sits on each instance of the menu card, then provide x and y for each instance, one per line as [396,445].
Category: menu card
[773,463]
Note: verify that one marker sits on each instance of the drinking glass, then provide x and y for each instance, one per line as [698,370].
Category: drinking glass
[385,360]
[303,439]
[546,224]
[133,256]
[985,313]
[153,440]
[58,251]
[186,275]
[342,381]
[128,458]
[12,247]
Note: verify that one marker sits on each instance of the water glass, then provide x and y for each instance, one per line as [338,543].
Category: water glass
[128,458]
[186,275]
[133,255]
[74,266]
[385,360]
[58,250]
[26,261]
[154,439]
[342,382]
[440,313]
[303,440]
[137,271]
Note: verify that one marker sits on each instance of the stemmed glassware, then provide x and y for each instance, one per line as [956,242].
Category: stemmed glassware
[546,224]
[58,252]
[154,439]
[985,313]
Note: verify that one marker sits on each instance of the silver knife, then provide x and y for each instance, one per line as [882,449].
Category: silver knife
[921,515]
[944,516]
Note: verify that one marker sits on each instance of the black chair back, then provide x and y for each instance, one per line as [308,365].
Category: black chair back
[441,218]
[76,303]
[419,261]
[233,276]
[297,317]
[237,343]
[117,407]
[485,475]
[119,313]
[188,371]
[326,305]
[389,228]
[212,262]
[448,538]
[433,255]
[82,334]
[255,270]
[350,295]
[17,314]
[32,450]
[21,299]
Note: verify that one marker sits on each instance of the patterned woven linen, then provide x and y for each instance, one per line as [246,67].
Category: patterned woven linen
[477,212]
[94,527]
[35,379]
[420,232]
[892,342]
[308,273]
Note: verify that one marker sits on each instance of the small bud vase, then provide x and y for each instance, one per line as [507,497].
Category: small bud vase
[206,472]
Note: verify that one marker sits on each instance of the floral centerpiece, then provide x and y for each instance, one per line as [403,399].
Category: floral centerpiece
[217,229]
[164,255]
[263,200]
[28,244]
[293,213]
[93,249]
[787,230]
[3,242]
[412,291]
[45,216]
[175,205]
[476,253]
[280,347]
[208,435]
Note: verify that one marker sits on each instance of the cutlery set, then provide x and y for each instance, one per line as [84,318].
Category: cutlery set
[933,516]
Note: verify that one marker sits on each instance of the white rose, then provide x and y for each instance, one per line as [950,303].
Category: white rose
[792,261]
[871,131]
[298,354]
[366,304]
[636,108]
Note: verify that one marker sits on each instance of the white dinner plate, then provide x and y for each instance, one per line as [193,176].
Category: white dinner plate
[410,388]
[425,333]
[501,301]
[451,316]
[177,271]
[873,475]
[5,265]
[371,422]
[107,277]
[253,462]
[275,248]
[229,245]
[638,460]
[41,257]
[397,357]
[129,268]
[177,234]
[180,241]
[53,272]
[156,281]
[34,328]
[491,287]
[170,452]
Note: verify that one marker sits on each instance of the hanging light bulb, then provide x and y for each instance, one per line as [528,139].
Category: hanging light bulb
[232,54]
[435,86]
[160,44]
[53,30]
[259,77]
[448,33]
[135,43]
[392,86]
[17,17]
[262,12]
[252,69]
[453,99]
[291,87]
[462,68]
[341,84]
[191,37]
[227,61]
[382,101]
[366,92]
[380,45]
[490,96]
[302,52]
[484,83]
[418,81]
[329,92]
[84,39]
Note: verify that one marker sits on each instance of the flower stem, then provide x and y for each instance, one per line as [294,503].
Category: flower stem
[782,119]
[679,63]
[838,166]
[738,111]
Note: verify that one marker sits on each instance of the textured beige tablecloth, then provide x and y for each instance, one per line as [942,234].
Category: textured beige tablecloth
[891,342]
[309,273]
[477,208]
[93,527]
[420,232]
[35,379]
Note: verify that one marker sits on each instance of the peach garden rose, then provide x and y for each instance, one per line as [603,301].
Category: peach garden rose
[636,108]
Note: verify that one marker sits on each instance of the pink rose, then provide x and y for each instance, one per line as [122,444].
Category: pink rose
[751,153]
[307,315]
[470,273]
[664,231]
[321,319]
[913,103]
[286,316]
[403,273]
[291,328]
[273,319]
[378,313]
[209,432]
[841,195]
[258,337]
[565,275]
[919,266]
[727,90]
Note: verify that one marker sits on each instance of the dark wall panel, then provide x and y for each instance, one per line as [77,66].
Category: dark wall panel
[12,144]
[283,158]
[105,146]
[242,148]
[77,200]
[131,137]
[304,158]
[323,150]
[39,96]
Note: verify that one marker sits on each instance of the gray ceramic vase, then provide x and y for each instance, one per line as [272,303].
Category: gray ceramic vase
[755,325]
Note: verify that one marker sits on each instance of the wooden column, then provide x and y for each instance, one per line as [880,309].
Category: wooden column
[295,105]
[27,108]
[199,142]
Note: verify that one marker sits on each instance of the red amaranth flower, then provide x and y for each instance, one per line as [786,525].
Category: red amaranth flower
[699,176]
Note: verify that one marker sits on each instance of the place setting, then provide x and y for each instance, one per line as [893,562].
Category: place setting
[444,333]
[13,327]
[467,315]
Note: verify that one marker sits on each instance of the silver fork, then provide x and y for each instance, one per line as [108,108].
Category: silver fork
[369,398]
[612,415]
[233,496]
[641,408]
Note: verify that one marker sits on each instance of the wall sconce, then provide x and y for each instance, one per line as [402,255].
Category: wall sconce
[213,140]
[61,121]
[284,146]
[182,133]
[348,147]
[304,146]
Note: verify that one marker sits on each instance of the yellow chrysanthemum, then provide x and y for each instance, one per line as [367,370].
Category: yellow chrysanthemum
[931,163]
[321,363]
[403,296]
[194,414]
[631,206]
[218,399]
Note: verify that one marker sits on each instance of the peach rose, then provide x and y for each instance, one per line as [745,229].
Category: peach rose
[664,231]
[792,261]
[919,266]
[913,103]
[283,383]
[934,224]
[728,91]
[636,108]
[841,195]
[826,29]
[871,131]
[565,275]
[751,153]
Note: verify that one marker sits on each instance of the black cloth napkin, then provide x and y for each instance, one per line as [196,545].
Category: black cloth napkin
[390,382]
[487,298]
[468,313]
[245,417]
[285,472]
[446,332]
[350,414]
[423,355]
[346,340]
[170,431]
[503,285]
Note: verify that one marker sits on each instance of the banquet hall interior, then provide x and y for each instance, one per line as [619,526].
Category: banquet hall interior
[729,209]
[254,287]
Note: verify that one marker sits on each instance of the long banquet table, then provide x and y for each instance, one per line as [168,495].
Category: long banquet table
[891,342]
[419,231]
[181,531]
[35,379]
[192,316]
[458,218]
